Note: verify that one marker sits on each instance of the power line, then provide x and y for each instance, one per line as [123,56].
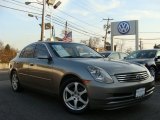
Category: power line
[77,19]
[57,16]
[83,5]
[19,10]
[21,4]
[77,25]
[70,28]
[40,14]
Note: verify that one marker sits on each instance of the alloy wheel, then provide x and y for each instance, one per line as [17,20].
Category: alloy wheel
[14,82]
[75,96]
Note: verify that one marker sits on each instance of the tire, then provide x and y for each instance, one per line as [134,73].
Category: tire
[15,82]
[74,96]
[152,70]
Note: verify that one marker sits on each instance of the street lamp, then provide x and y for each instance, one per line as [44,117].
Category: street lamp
[57,4]
[27,3]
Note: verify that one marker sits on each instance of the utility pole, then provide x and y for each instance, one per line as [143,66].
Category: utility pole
[43,21]
[141,44]
[66,29]
[107,27]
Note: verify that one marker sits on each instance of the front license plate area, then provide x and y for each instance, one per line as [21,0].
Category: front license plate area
[140,92]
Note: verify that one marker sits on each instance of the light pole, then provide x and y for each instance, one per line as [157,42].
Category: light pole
[107,27]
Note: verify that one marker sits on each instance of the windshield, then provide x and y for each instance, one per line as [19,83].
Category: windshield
[105,54]
[73,50]
[142,54]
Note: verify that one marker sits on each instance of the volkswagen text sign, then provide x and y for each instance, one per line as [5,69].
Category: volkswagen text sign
[123,28]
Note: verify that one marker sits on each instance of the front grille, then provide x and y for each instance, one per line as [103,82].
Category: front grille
[132,77]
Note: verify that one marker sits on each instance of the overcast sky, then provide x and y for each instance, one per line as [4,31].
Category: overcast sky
[17,29]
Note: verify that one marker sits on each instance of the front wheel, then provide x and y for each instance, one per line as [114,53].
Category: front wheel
[74,96]
[15,82]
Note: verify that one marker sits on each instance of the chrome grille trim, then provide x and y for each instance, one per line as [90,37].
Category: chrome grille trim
[132,77]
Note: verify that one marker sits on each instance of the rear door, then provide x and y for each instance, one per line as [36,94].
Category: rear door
[23,63]
[41,70]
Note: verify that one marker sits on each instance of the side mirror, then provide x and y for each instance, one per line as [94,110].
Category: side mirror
[48,57]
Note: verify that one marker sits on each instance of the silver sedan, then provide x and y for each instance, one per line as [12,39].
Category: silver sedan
[80,76]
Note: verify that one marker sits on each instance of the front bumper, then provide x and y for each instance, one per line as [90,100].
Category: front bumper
[118,95]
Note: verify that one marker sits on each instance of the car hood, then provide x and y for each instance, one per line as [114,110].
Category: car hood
[112,67]
[140,61]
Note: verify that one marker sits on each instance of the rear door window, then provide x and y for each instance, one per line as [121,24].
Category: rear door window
[28,52]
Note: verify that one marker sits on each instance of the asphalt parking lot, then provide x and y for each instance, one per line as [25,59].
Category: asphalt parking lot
[31,105]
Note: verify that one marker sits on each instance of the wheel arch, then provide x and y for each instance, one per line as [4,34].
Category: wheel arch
[68,76]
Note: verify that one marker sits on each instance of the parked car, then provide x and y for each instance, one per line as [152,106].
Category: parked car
[112,55]
[148,58]
[80,76]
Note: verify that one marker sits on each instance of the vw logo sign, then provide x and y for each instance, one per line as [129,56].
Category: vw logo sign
[123,27]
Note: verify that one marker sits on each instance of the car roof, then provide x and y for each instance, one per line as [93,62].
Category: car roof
[56,42]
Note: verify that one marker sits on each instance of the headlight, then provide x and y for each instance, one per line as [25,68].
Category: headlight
[149,74]
[100,75]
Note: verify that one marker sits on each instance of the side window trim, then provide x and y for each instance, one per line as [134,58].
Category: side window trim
[47,49]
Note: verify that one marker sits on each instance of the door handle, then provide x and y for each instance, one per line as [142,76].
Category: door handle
[31,64]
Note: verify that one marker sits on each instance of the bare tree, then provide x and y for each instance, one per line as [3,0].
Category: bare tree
[86,42]
[6,53]
[94,42]
[1,45]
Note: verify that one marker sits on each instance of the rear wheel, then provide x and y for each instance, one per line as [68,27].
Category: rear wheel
[74,96]
[15,82]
